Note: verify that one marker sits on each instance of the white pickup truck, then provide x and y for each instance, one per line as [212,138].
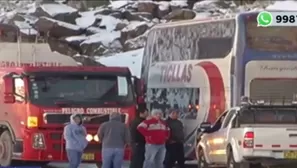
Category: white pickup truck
[250,136]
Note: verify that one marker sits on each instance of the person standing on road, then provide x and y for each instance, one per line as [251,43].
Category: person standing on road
[138,141]
[114,136]
[156,133]
[175,143]
[75,136]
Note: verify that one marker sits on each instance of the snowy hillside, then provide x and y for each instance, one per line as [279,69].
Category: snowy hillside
[108,33]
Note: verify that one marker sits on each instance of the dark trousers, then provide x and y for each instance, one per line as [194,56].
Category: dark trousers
[137,158]
[174,153]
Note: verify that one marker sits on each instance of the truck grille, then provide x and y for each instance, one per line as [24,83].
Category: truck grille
[65,118]
[90,148]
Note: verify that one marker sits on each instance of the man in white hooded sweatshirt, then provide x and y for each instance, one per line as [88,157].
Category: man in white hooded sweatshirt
[75,137]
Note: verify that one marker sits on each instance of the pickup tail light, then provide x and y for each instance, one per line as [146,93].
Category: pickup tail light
[248,140]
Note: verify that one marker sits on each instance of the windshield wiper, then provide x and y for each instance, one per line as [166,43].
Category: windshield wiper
[88,119]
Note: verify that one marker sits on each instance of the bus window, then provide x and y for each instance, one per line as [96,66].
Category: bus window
[274,39]
[218,47]
[198,40]
[185,100]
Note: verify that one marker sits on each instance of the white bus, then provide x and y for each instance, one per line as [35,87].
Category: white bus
[202,67]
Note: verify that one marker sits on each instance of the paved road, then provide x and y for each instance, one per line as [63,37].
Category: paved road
[64,165]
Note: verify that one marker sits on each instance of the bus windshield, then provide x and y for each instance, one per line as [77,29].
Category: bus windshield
[80,89]
[273,39]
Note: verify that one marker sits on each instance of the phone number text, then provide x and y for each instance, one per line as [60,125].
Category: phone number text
[284,18]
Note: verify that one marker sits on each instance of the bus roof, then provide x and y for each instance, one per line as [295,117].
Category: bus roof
[202,20]
[193,21]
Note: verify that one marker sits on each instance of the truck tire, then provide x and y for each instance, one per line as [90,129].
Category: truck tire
[6,147]
[201,160]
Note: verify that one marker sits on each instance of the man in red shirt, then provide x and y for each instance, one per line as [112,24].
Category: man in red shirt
[156,133]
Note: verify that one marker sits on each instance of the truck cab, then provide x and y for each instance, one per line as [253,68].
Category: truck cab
[37,103]
[251,135]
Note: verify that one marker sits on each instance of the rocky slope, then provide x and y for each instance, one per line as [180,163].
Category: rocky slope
[118,27]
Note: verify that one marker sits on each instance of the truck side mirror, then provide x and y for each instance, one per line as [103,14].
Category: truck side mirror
[8,82]
[140,90]
[138,86]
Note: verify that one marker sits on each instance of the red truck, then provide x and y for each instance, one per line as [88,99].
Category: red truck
[40,92]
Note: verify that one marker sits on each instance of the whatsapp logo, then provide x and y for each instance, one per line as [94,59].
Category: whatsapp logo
[264,19]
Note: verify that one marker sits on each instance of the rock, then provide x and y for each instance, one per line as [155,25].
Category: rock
[134,29]
[118,15]
[62,47]
[105,11]
[120,26]
[67,17]
[163,9]
[39,12]
[57,11]
[56,28]
[145,15]
[74,41]
[180,14]
[93,49]
[92,30]
[149,7]
[132,16]
[16,17]
[86,60]
[8,33]
[101,43]
[136,43]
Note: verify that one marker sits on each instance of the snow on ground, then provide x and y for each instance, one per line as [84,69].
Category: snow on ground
[85,21]
[164,5]
[202,15]
[64,24]
[76,38]
[283,5]
[119,4]
[25,28]
[107,38]
[54,9]
[131,59]
[109,22]
[179,3]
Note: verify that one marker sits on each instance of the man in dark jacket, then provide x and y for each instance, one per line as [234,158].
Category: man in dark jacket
[138,141]
[114,136]
[174,145]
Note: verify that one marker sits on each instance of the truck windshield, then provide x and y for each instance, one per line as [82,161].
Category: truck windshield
[268,116]
[81,90]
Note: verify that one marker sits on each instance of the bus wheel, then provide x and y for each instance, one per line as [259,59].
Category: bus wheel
[6,147]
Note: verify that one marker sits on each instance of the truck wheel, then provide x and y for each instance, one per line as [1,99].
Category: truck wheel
[201,160]
[6,147]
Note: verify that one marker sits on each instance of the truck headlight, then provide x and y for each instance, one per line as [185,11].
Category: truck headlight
[38,141]
[89,137]
[96,138]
